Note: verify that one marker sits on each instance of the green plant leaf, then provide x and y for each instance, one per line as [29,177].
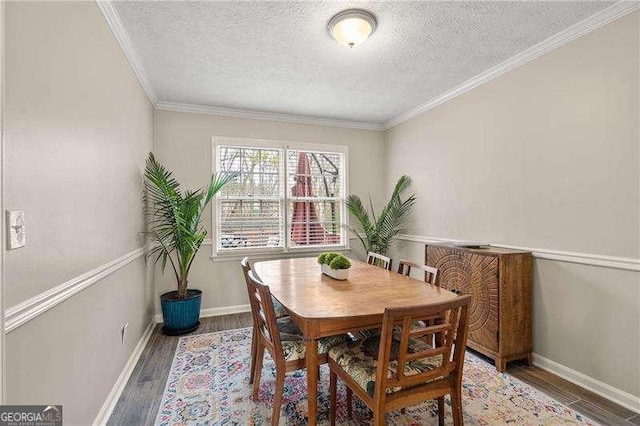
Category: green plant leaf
[393,219]
[175,219]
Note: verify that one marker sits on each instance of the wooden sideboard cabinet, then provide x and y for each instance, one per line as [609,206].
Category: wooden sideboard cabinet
[499,282]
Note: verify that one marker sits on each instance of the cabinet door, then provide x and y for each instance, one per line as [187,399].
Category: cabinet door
[477,275]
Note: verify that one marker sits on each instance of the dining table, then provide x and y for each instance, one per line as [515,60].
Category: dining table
[322,306]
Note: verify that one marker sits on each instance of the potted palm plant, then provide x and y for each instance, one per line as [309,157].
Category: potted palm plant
[175,228]
[377,232]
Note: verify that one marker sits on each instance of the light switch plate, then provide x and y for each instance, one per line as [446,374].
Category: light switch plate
[17,236]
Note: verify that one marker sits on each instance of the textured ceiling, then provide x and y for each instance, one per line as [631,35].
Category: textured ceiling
[277,56]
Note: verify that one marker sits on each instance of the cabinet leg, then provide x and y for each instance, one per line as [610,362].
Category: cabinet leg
[529,359]
[501,364]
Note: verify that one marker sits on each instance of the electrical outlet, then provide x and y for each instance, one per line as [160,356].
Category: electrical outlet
[124,332]
[16,230]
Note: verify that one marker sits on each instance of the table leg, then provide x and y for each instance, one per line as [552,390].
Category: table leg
[312,379]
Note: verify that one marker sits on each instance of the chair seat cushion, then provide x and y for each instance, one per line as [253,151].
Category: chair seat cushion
[359,360]
[293,344]
[280,311]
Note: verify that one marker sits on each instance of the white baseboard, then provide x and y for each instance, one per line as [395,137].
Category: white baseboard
[609,392]
[112,399]
[214,312]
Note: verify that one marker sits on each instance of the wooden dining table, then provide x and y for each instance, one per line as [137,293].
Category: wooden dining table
[322,306]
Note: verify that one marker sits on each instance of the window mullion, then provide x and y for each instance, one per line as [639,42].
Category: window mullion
[285,200]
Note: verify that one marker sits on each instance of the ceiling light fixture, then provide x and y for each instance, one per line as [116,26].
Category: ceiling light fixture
[352,27]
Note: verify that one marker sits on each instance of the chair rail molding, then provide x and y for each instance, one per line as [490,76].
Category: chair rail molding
[23,312]
[610,14]
[624,263]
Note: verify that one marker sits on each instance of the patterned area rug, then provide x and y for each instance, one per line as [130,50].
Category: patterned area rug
[209,385]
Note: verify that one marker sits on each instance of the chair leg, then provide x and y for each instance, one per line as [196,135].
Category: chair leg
[441,411]
[254,349]
[456,406]
[258,369]
[277,401]
[333,384]
[379,417]
[349,403]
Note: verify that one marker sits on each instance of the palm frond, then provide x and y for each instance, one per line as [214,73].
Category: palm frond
[392,219]
[175,219]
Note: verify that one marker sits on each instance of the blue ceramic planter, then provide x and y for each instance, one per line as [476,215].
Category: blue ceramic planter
[181,315]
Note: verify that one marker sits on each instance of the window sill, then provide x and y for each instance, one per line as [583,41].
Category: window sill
[260,255]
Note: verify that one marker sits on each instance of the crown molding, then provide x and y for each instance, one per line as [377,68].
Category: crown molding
[271,116]
[583,27]
[113,19]
[129,51]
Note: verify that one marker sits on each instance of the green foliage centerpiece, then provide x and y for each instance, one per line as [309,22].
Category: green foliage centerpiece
[175,228]
[334,265]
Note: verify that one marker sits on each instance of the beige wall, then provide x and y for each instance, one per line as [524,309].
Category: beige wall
[546,156]
[183,143]
[77,130]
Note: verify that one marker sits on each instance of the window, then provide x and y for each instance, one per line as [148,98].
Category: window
[285,196]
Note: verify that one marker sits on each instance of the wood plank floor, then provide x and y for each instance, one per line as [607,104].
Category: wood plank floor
[140,400]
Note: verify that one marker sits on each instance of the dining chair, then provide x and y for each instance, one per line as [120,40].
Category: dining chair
[430,273]
[277,306]
[389,372]
[384,262]
[282,338]
[379,260]
[430,277]
[279,310]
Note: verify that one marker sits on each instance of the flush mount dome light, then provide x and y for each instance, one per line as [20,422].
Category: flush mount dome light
[352,27]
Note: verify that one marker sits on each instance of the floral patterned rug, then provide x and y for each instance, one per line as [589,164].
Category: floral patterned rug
[209,385]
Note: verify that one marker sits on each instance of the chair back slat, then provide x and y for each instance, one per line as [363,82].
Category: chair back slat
[432,329]
[264,316]
[414,380]
[404,344]
[426,353]
[430,273]
[424,362]
[376,259]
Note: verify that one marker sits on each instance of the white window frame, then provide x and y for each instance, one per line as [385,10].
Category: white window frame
[283,146]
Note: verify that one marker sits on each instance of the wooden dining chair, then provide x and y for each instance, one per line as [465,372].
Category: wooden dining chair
[279,310]
[384,262]
[388,372]
[282,338]
[430,273]
[430,277]
[277,306]
[379,260]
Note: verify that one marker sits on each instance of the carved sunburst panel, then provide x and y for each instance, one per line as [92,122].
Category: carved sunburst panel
[476,275]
